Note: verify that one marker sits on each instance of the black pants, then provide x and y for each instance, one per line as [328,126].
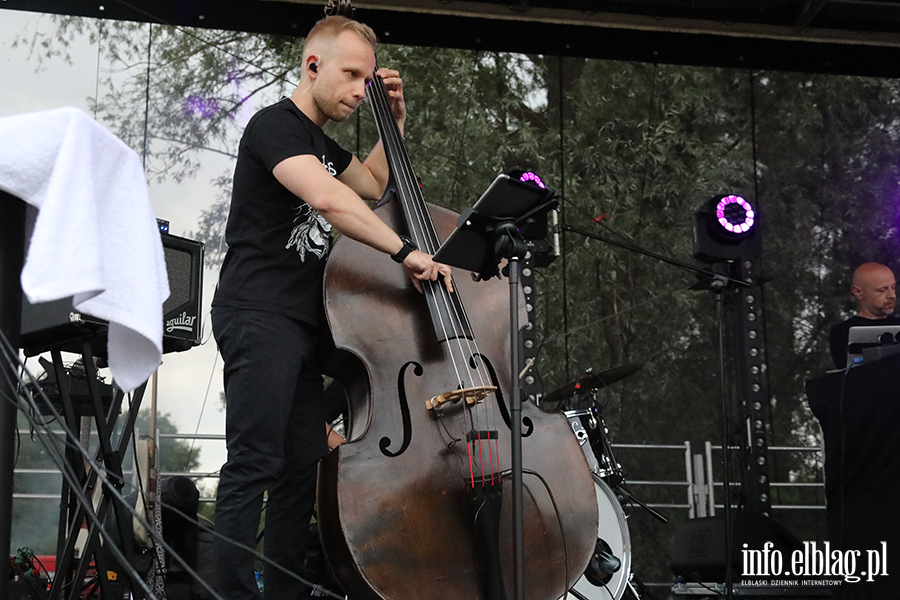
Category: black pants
[275,435]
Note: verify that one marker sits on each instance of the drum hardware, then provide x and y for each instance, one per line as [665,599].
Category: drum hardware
[609,574]
[613,551]
[609,569]
[591,381]
[625,495]
[603,564]
[592,433]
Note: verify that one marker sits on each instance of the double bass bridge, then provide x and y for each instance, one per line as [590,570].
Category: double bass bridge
[472,395]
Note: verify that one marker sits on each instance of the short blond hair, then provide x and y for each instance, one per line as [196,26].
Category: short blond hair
[331,27]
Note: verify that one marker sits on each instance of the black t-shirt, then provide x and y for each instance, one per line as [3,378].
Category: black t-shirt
[840,334]
[277,244]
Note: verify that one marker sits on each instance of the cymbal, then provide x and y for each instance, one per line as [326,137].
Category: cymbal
[592,381]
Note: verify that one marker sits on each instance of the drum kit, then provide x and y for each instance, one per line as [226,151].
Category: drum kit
[609,573]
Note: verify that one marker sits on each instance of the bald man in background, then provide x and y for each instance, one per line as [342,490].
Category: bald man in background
[874,288]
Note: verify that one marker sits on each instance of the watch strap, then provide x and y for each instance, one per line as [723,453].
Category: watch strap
[408,246]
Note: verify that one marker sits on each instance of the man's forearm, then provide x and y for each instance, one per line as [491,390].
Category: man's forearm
[353,218]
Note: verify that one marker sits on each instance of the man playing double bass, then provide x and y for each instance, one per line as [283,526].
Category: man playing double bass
[292,184]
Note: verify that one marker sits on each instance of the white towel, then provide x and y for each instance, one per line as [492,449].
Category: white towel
[96,236]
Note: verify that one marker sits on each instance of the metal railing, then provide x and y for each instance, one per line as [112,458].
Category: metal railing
[697,480]
[685,482]
[708,494]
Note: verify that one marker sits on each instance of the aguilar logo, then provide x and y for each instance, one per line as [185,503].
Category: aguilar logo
[182,323]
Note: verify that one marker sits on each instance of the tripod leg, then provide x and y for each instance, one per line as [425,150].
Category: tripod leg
[577,594]
[635,584]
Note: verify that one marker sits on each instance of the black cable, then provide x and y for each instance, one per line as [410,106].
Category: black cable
[753,135]
[201,524]
[562,531]
[462,132]
[71,440]
[18,441]
[147,97]
[117,495]
[72,479]
[562,218]
[188,33]
[100,23]
[841,463]
[642,199]
[202,410]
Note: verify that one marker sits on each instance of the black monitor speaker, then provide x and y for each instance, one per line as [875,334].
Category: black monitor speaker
[55,324]
[699,551]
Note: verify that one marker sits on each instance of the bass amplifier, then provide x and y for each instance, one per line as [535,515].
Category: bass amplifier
[55,324]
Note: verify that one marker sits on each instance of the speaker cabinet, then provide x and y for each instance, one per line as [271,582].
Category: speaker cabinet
[56,325]
[699,550]
[181,310]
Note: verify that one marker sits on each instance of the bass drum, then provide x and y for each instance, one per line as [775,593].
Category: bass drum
[613,529]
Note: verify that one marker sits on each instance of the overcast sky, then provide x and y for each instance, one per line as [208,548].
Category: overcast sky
[183,377]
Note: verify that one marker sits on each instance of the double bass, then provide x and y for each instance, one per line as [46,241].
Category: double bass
[412,505]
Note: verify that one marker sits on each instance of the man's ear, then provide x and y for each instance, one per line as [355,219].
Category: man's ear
[856,291]
[312,64]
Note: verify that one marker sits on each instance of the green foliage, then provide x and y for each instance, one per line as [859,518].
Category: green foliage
[175,456]
[35,519]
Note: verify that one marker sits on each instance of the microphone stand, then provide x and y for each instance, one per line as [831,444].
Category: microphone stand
[487,233]
[718,287]
[702,273]
[718,284]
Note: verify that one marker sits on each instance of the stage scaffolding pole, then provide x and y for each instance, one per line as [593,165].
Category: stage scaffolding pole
[12,257]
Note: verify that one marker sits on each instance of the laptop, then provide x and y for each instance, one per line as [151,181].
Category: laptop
[866,343]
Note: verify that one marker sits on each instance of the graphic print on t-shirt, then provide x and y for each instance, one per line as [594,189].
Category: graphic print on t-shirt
[329,166]
[310,233]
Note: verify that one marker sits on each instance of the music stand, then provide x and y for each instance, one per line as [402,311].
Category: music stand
[493,229]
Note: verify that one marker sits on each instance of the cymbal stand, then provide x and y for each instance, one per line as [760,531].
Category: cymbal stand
[616,477]
[610,468]
[718,282]
[632,498]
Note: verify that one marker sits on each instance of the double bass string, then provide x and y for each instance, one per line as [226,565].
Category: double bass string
[392,144]
[422,228]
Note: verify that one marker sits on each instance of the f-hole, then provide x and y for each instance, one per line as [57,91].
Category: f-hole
[385,442]
[501,402]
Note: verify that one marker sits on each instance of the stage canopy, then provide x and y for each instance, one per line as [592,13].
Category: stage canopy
[855,37]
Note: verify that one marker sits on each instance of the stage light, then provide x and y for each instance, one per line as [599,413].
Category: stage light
[735,214]
[536,229]
[726,228]
[531,177]
[527,177]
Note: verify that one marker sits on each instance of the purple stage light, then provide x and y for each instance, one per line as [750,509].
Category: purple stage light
[735,214]
[204,107]
[529,177]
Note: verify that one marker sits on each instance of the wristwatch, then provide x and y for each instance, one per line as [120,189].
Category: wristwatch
[408,246]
